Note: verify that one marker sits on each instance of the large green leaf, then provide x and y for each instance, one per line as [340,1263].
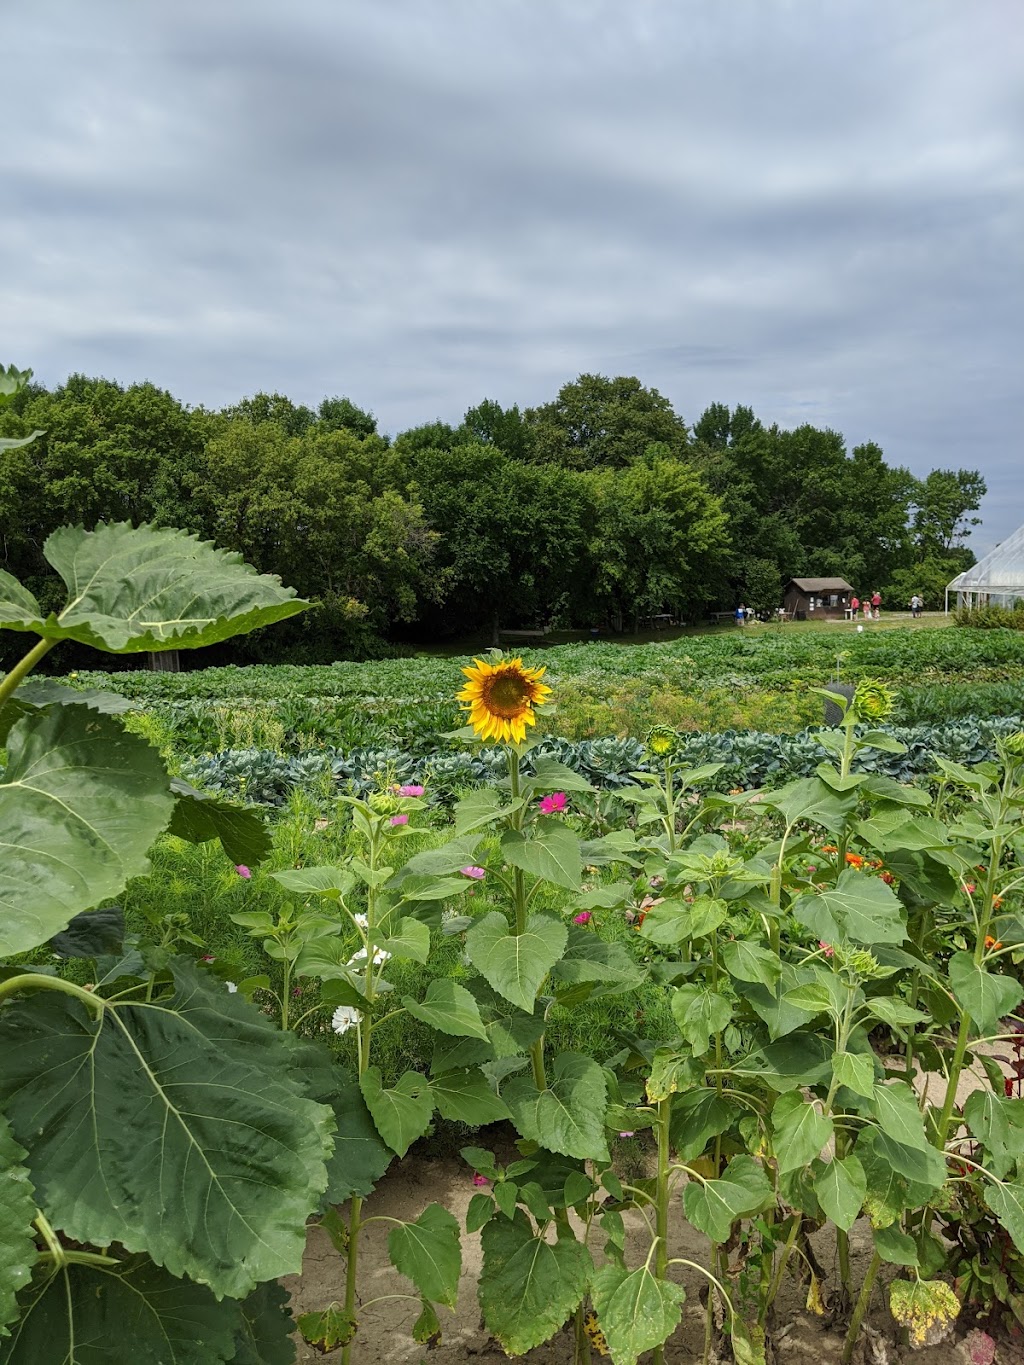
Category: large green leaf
[450,1008]
[713,1206]
[698,1116]
[360,1157]
[265,1334]
[409,938]
[132,589]
[551,776]
[588,959]
[131,1314]
[429,1253]
[464,1094]
[745,961]
[173,1127]
[16,602]
[636,1311]
[984,995]
[861,908]
[812,800]
[567,1117]
[898,1115]
[17,1236]
[700,1012]
[515,964]
[402,1113]
[199,817]
[552,853]
[801,1131]
[841,1188]
[1006,1200]
[987,1117]
[81,802]
[528,1286]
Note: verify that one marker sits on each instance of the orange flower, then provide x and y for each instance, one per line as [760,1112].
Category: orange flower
[997,902]
[992,943]
[888,878]
[829,848]
[855,860]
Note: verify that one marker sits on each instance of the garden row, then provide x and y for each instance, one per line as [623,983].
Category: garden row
[743,759]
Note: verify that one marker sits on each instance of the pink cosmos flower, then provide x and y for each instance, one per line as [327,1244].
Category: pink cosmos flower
[826,948]
[550,804]
[243,871]
[475,872]
[480,1180]
[411,789]
[970,888]
[399,819]
[628,1133]
[582,918]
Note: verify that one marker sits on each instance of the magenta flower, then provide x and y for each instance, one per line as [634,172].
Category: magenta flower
[475,872]
[550,804]
[826,948]
[582,918]
[399,819]
[480,1180]
[411,789]
[243,871]
[628,1133]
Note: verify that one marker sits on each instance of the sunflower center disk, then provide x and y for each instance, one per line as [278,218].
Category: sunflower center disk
[508,695]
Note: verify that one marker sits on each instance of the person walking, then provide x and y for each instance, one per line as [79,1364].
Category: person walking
[915,606]
[855,605]
[867,608]
[876,603]
[741,615]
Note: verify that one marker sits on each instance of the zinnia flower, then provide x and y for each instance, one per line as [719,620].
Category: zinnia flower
[480,1181]
[399,819]
[411,789]
[475,872]
[344,1018]
[243,871]
[550,804]
[501,697]
[582,918]
[992,943]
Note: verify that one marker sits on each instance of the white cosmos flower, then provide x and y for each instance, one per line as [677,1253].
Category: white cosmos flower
[231,987]
[344,1018]
[380,956]
[360,919]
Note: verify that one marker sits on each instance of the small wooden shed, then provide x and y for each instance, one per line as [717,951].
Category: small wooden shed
[821,598]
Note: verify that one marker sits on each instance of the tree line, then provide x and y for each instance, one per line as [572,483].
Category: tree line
[598,509]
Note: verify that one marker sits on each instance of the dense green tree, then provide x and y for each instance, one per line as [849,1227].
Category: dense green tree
[341,414]
[514,537]
[491,424]
[276,408]
[661,541]
[943,503]
[596,422]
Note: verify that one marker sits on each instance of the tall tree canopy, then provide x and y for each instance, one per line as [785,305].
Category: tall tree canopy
[597,508]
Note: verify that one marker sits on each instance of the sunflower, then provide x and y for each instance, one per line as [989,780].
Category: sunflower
[501,696]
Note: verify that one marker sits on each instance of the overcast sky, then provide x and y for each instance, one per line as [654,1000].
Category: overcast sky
[810,206]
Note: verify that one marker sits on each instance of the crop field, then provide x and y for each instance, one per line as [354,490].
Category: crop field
[669,1027]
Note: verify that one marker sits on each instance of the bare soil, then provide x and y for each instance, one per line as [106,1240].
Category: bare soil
[385,1333]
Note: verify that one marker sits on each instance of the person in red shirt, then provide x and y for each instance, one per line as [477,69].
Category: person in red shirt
[876,603]
[855,604]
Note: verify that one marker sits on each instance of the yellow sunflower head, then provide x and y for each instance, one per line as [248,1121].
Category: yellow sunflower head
[500,698]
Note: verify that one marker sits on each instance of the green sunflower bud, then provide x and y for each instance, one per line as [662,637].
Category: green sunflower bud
[661,740]
[384,803]
[873,701]
[1013,745]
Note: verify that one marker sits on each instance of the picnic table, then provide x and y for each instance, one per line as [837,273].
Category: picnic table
[524,634]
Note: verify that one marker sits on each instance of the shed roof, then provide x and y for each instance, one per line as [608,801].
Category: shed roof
[822,584]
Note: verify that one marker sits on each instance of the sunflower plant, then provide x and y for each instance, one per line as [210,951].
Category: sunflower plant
[160,1153]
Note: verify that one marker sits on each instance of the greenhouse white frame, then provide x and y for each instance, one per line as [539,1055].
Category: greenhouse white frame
[998,577]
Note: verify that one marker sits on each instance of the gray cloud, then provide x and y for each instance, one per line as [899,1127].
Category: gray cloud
[811,208]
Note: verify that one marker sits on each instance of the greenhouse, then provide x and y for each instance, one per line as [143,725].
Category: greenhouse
[998,578]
